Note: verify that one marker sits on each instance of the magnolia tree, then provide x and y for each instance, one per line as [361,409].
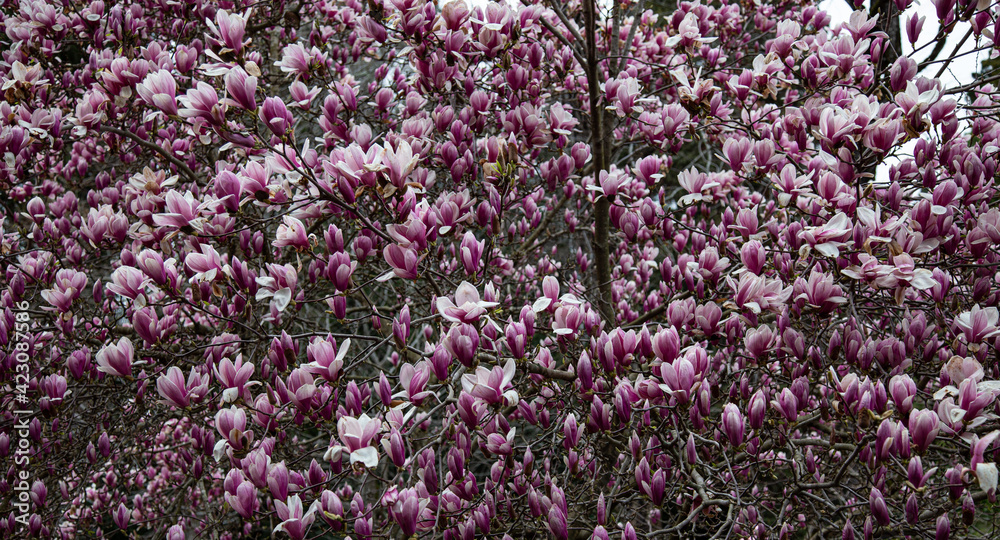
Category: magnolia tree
[405,269]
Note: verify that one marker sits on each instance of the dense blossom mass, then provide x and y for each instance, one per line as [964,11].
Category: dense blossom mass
[437,269]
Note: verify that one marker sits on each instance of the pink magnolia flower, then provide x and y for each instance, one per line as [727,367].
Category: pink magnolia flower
[202,102]
[733,424]
[67,287]
[403,261]
[240,493]
[159,90]
[700,186]
[278,285]
[828,238]
[291,233]
[758,293]
[228,30]
[500,444]
[467,307]
[296,60]
[324,360]
[276,116]
[924,427]
[232,425]
[207,265]
[234,377]
[116,359]
[242,89]
[399,161]
[492,385]
[182,211]
[178,393]
[623,93]
[129,282]
[566,320]
[820,292]
[413,378]
[295,521]
[979,324]
[356,436]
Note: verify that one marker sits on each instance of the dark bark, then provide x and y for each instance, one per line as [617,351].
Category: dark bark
[599,149]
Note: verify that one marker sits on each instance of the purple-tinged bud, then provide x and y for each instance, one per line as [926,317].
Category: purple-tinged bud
[600,533]
[440,361]
[758,409]
[923,426]
[968,510]
[602,509]
[557,523]
[956,486]
[384,390]
[912,509]
[848,532]
[176,532]
[943,529]
[401,327]
[690,450]
[38,493]
[395,448]
[878,507]
[628,533]
[121,516]
[104,444]
[585,371]
[571,432]
[277,481]
[732,424]
[339,307]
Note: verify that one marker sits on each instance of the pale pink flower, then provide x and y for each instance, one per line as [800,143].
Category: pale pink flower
[467,307]
[492,385]
[356,436]
[291,233]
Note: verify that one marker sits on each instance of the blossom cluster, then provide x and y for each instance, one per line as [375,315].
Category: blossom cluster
[408,268]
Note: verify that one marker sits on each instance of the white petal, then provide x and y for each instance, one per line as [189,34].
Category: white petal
[987,475]
[541,304]
[367,455]
[220,450]
[829,249]
[229,395]
[282,297]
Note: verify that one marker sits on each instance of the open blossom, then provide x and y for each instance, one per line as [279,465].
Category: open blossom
[291,233]
[202,102]
[295,521]
[399,161]
[829,237]
[159,90]
[979,324]
[228,30]
[234,378]
[66,288]
[324,360]
[492,385]
[178,393]
[403,261]
[356,437]
[116,359]
[758,293]
[467,307]
[278,285]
